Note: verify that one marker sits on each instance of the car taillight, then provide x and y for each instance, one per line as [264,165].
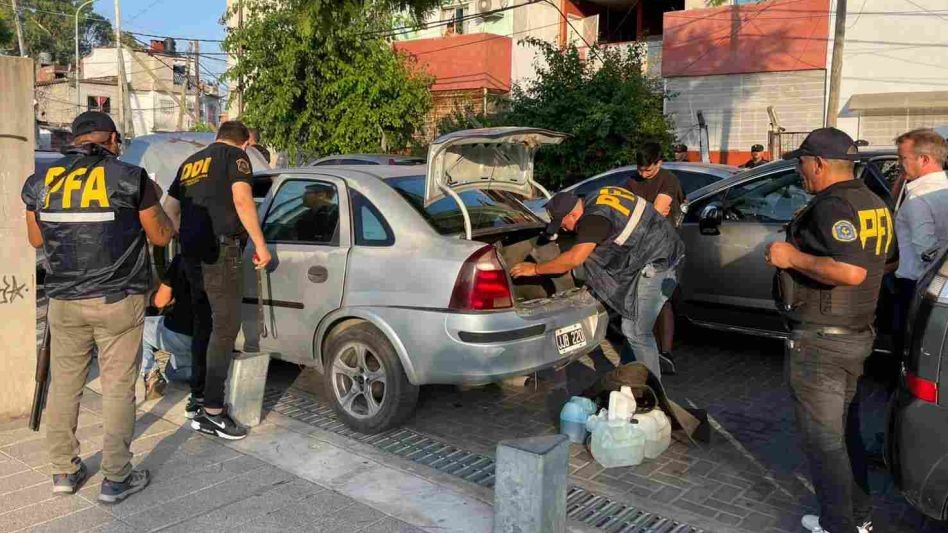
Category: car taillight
[921,388]
[482,284]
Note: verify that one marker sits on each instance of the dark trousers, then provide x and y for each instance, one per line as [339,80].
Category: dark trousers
[904,292]
[216,293]
[823,371]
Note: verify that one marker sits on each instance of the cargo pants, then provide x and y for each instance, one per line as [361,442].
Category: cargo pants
[116,330]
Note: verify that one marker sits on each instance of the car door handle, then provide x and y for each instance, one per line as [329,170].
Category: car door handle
[317,274]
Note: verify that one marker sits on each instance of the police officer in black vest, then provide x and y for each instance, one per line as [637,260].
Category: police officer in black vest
[827,284]
[630,253]
[91,213]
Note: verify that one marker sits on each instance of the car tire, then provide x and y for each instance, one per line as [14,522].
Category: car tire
[365,380]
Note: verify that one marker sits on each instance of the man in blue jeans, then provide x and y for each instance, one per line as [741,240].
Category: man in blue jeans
[169,333]
[630,253]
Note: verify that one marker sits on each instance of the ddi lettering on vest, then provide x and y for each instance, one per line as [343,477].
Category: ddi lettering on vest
[86,206]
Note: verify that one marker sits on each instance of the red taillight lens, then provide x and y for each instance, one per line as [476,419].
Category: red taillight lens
[482,284]
[922,389]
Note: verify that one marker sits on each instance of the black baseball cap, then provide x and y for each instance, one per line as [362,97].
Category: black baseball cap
[828,143]
[757,148]
[560,205]
[681,148]
[91,121]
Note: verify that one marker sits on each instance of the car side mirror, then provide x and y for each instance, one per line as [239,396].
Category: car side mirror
[710,218]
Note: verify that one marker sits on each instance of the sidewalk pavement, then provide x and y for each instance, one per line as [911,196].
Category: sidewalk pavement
[285,476]
[275,480]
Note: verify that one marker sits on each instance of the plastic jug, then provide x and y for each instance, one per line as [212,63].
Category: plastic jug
[573,418]
[593,422]
[657,430]
[621,404]
[618,443]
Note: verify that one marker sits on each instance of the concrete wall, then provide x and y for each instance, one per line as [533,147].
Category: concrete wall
[881,130]
[891,46]
[541,21]
[735,107]
[771,36]
[499,24]
[17,257]
[151,110]
[101,63]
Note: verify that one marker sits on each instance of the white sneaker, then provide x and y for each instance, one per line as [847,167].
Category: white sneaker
[811,523]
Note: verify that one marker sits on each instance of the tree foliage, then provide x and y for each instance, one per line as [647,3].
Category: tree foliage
[605,102]
[49,26]
[331,86]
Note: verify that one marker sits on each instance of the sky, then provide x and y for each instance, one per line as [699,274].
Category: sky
[196,19]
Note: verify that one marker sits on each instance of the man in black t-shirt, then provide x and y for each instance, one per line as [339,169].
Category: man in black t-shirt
[660,187]
[169,333]
[827,287]
[212,193]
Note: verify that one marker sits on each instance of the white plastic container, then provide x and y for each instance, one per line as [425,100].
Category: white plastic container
[621,404]
[657,430]
[617,443]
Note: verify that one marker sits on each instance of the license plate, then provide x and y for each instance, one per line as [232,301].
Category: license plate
[570,338]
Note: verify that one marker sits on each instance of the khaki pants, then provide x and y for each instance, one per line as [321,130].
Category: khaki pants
[116,329]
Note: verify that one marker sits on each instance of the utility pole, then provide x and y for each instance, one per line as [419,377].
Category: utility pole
[240,55]
[122,80]
[19,29]
[78,98]
[198,93]
[183,98]
[836,70]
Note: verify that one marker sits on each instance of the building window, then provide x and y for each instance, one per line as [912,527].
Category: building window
[455,17]
[99,103]
[179,74]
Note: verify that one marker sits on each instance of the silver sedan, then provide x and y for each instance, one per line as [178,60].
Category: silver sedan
[390,277]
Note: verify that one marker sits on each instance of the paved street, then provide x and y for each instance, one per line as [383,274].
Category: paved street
[751,477]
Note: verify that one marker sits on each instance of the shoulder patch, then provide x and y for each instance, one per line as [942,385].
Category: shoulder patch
[844,231]
[243,166]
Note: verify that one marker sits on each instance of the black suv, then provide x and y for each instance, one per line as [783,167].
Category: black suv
[917,436]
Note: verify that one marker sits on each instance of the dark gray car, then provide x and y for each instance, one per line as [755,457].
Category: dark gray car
[727,225]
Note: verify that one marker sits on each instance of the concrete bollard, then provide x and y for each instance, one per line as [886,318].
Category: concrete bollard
[245,386]
[530,490]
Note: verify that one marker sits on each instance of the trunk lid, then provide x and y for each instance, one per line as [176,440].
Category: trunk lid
[486,158]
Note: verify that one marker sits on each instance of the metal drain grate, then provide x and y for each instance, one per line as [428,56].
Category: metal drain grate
[591,509]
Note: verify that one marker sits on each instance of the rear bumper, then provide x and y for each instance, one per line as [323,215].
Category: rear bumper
[917,452]
[475,348]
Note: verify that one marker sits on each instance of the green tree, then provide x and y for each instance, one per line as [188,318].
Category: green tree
[605,102]
[48,26]
[326,88]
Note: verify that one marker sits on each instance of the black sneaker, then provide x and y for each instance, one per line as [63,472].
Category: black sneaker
[667,364]
[116,491]
[194,408]
[220,425]
[70,483]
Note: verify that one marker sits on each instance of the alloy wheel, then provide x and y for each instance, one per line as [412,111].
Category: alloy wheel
[358,380]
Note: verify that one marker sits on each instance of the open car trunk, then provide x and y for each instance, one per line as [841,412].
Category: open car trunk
[528,245]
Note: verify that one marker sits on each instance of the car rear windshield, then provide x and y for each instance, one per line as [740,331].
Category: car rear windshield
[487,209]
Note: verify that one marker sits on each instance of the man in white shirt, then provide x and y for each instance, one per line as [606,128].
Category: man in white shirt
[921,222]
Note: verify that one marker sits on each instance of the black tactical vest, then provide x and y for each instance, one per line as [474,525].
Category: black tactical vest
[802,300]
[640,236]
[87,209]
